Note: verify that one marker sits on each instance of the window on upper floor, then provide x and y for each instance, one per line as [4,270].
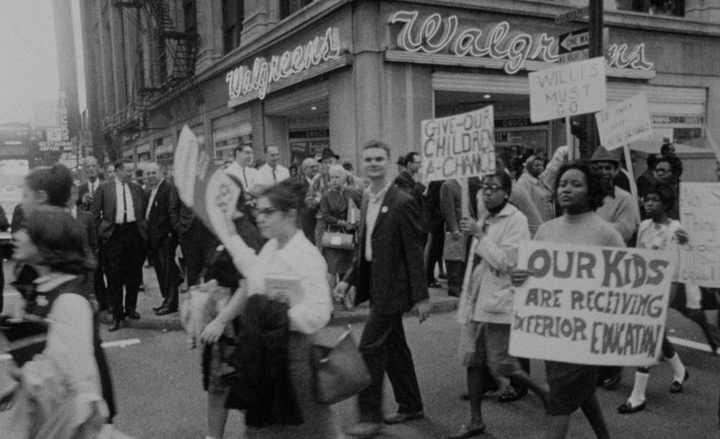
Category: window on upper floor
[233,17]
[289,7]
[190,15]
[675,8]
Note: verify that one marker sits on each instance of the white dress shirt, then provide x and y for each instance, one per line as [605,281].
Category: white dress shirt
[123,208]
[299,258]
[265,175]
[246,174]
[92,187]
[373,211]
[153,193]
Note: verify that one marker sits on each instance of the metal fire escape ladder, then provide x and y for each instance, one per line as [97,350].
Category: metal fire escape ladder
[178,49]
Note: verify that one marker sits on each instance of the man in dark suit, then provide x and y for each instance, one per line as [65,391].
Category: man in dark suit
[87,189]
[118,209]
[196,241]
[308,219]
[388,271]
[162,239]
[84,201]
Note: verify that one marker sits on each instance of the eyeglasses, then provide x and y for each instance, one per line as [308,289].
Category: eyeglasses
[661,170]
[490,187]
[266,212]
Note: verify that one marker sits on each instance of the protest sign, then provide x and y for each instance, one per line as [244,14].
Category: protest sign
[567,90]
[203,186]
[458,146]
[700,217]
[591,305]
[624,122]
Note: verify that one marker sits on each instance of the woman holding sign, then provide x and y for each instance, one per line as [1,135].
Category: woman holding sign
[486,299]
[572,386]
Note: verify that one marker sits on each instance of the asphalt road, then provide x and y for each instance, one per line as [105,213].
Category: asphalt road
[157,377]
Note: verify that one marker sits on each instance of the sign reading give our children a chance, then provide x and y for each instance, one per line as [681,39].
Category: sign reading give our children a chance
[458,146]
[591,305]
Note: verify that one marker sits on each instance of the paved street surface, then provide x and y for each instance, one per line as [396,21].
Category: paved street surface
[158,385]
[160,396]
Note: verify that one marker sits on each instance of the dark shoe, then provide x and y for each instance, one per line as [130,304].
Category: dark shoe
[399,418]
[363,429]
[158,308]
[442,276]
[434,285]
[612,383]
[164,311]
[132,315]
[116,324]
[627,408]
[512,394]
[676,387]
[466,431]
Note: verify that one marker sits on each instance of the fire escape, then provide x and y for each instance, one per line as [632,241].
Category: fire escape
[175,52]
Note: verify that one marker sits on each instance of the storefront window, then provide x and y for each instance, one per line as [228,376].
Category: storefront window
[233,17]
[289,7]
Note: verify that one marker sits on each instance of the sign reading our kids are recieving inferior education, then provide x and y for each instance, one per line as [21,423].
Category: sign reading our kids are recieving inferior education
[458,146]
[591,305]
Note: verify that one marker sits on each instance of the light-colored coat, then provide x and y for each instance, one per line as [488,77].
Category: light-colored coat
[487,294]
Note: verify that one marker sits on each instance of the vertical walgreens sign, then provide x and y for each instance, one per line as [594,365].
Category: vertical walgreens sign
[246,80]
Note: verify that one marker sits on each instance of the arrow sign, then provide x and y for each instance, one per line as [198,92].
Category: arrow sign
[574,41]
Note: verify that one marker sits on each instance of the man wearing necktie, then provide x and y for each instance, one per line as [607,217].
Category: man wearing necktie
[84,202]
[272,172]
[119,208]
[242,167]
[162,239]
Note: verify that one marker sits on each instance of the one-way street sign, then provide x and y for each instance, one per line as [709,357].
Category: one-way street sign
[574,41]
[574,46]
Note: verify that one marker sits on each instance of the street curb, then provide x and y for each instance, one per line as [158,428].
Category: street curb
[340,318]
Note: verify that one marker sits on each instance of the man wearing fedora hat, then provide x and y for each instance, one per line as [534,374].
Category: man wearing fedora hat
[622,211]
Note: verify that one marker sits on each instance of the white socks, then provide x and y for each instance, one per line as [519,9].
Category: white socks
[678,368]
[637,396]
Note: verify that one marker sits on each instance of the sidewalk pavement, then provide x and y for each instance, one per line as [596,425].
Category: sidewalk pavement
[440,302]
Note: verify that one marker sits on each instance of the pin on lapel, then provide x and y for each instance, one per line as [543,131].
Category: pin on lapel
[384,209]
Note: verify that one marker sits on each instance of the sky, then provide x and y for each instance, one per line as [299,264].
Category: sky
[28,64]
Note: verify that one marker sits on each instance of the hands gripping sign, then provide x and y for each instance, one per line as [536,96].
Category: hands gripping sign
[204,186]
[458,146]
[591,305]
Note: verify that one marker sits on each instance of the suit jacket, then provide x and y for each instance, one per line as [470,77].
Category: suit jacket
[407,184]
[397,279]
[308,217]
[159,225]
[181,216]
[104,209]
[87,222]
[82,190]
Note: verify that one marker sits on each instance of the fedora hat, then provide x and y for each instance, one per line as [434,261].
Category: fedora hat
[603,155]
[327,153]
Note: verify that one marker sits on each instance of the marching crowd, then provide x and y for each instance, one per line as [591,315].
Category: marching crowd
[332,237]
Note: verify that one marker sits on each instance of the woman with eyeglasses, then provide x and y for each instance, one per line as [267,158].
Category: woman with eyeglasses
[486,299]
[288,255]
[572,386]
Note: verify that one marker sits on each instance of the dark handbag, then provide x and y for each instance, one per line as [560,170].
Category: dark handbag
[339,372]
[338,240]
